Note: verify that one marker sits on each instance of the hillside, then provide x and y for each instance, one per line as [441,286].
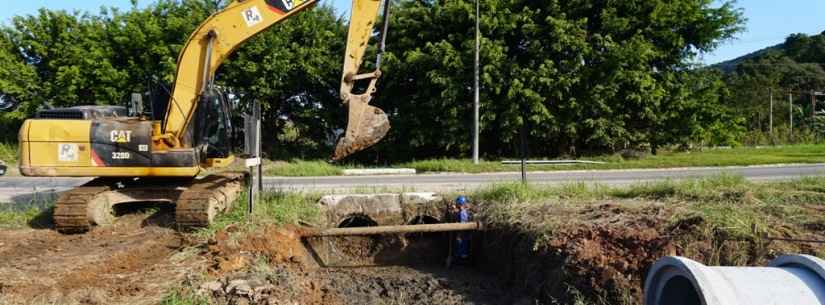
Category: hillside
[801,48]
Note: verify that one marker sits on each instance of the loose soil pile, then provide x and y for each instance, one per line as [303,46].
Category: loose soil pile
[600,252]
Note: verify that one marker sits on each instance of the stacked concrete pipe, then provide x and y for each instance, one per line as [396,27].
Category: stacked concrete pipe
[788,280]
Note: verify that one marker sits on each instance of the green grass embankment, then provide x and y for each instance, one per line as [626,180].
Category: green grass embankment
[741,156]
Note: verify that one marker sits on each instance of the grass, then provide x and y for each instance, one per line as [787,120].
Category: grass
[36,213]
[730,204]
[276,208]
[741,156]
[8,152]
[13,219]
[184,297]
[301,168]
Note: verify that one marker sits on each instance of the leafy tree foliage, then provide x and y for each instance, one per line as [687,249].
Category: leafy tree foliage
[579,76]
[582,76]
[294,69]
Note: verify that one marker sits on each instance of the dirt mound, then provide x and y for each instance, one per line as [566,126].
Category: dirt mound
[600,252]
[131,262]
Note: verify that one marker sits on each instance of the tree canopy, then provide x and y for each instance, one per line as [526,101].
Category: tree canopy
[582,76]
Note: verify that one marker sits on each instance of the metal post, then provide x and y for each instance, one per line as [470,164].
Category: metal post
[523,137]
[255,151]
[813,108]
[790,110]
[770,115]
[258,153]
[476,103]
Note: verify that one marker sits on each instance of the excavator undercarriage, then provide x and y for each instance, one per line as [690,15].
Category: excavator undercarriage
[197,201]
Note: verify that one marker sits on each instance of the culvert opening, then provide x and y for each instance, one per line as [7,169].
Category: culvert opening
[357,247]
[678,291]
[356,221]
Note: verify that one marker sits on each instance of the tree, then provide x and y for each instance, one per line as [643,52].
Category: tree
[584,76]
[294,69]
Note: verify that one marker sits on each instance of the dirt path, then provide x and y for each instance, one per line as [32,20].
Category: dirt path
[132,262]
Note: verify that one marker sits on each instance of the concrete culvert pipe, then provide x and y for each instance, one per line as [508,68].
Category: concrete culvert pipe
[788,280]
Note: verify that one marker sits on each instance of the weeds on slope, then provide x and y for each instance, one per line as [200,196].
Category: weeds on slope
[277,208]
[36,213]
[8,152]
[732,205]
[607,236]
[184,297]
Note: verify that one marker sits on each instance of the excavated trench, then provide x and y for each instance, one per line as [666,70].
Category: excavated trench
[389,269]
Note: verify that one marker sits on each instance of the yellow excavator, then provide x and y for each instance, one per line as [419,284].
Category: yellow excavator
[141,159]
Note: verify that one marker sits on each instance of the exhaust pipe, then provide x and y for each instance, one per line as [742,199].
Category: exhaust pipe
[788,280]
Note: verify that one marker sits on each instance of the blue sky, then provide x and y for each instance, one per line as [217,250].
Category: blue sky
[769,21]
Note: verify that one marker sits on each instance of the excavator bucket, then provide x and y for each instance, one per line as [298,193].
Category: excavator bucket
[366,126]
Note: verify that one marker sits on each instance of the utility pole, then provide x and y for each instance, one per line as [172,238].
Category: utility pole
[813,107]
[790,110]
[476,102]
[770,114]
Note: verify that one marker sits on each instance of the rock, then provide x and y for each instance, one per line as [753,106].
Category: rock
[211,288]
[239,287]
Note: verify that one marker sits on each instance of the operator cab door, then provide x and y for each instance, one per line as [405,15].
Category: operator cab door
[213,125]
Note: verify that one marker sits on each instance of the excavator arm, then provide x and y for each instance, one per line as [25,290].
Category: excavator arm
[208,47]
[223,32]
[366,124]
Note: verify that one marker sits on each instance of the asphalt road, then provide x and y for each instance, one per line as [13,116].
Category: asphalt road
[438,182]
[22,189]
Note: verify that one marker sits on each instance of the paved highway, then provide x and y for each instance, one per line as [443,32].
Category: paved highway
[610,177]
[22,189]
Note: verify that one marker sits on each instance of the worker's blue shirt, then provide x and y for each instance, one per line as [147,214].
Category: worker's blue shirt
[464,215]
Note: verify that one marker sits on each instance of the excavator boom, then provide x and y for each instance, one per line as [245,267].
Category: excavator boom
[211,44]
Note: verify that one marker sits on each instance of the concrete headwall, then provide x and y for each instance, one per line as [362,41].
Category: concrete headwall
[384,209]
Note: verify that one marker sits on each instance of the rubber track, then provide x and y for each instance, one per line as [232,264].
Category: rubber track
[205,198]
[71,209]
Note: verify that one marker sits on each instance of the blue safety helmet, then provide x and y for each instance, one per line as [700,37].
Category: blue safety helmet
[461,200]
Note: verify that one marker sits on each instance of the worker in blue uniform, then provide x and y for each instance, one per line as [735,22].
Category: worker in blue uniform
[462,214]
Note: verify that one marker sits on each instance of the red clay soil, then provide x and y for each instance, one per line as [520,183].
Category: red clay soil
[132,262]
[600,253]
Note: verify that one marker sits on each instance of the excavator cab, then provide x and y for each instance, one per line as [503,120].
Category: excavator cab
[213,125]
